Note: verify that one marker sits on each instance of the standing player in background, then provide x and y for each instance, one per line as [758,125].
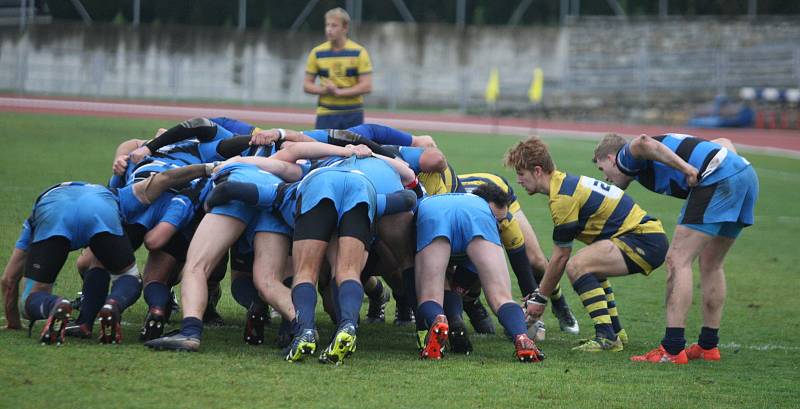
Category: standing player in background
[345,72]
[720,188]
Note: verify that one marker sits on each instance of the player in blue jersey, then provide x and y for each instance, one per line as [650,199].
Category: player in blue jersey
[339,200]
[458,226]
[224,224]
[720,189]
[72,215]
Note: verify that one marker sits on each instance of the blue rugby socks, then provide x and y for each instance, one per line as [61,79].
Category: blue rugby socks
[39,304]
[512,319]
[95,291]
[192,327]
[453,306]
[351,295]
[244,291]
[428,312]
[304,298]
[125,291]
[156,295]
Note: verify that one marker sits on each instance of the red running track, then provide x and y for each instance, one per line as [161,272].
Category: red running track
[775,141]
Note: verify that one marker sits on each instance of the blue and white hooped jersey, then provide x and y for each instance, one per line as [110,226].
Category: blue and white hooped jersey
[713,162]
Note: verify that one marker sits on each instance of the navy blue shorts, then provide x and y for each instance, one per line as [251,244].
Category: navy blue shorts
[339,121]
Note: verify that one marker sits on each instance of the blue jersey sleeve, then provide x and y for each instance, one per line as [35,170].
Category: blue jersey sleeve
[25,237]
[235,126]
[382,134]
[319,135]
[627,163]
[411,155]
[179,212]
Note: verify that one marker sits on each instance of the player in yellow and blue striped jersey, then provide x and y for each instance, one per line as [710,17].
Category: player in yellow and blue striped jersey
[621,238]
[344,69]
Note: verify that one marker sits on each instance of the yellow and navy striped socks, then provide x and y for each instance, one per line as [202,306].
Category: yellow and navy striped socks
[594,300]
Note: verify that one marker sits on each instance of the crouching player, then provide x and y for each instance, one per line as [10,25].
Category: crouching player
[456,224]
[720,188]
[621,239]
[73,215]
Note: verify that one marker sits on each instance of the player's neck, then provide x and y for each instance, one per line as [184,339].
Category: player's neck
[338,44]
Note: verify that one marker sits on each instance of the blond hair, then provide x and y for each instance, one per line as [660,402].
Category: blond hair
[610,144]
[528,154]
[339,13]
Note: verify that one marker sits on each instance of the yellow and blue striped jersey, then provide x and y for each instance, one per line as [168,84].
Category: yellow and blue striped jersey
[436,183]
[342,68]
[510,232]
[587,210]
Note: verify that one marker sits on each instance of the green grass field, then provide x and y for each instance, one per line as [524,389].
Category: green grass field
[759,336]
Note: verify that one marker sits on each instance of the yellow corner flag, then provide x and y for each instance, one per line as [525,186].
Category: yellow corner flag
[493,87]
[535,92]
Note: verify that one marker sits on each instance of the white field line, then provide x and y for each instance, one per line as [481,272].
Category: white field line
[308,118]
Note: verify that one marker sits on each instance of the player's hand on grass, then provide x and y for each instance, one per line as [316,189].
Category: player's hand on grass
[10,296]
[534,304]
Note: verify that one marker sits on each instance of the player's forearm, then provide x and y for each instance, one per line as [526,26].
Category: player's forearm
[362,88]
[555,269]
[284,169]
[645,147]
[9,287]
[311,150]
[125,148]
[309,87]
[148,190]
[407,175]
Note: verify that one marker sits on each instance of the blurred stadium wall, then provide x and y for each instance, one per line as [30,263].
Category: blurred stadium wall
[642,69]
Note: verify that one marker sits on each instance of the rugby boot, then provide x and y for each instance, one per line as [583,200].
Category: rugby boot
[525,349]
[377,307]
[600,344]
[75,330]
[303,344]
[173,306]
[56,325]
[623,336]
[458,338]
[566,320]
[211,317]
[420,336]
[257,318]
[695,351]
[174,341]
[110,328]
[479,317]
[661,356]
[436,339]
[154,324]
[342,346]
[76,303]
[403,313]
[284,337]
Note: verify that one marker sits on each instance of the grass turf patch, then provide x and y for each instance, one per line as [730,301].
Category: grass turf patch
[758,336]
